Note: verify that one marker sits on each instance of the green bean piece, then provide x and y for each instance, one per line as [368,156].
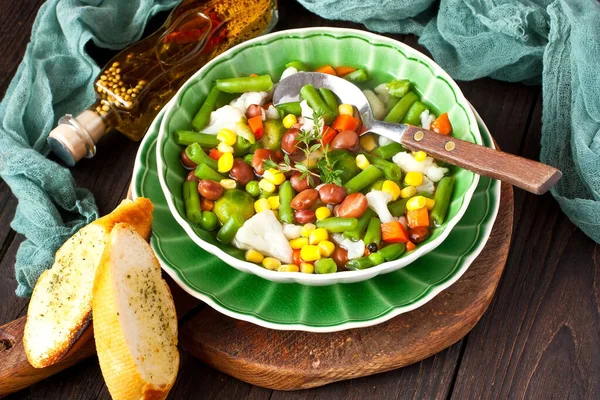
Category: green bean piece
[299,65]
[274,131]
[360,75]
[289,108]
[191,199]
[398,87]
[413,115]
[376,258]
[401,108]
[330,99]
[442,197]
[198,156]
[248,158]
[208,221]
[203,171]
[359,263]
[262,83]
[389,150]
[325,266]
[390,170]
[316,102]
[206,140]
[393,100]
[202,118]
[366,177]
[252,188]
[398,208]
[336,224]
[230,228]
[224,99]
[373,233]
[392,251]
[363,221]
[286,194]
[241,147]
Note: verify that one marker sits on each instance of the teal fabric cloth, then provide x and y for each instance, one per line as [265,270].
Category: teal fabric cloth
[553,42]
[56,77]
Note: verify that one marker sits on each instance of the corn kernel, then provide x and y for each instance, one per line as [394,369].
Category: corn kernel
[392,188]
[289,121]
[227,136]
[317,236]
[228,183]
[273,202]
[362,162]
[266,185]
[367,142]
[224,148]
[288,268]
[420,156]
[307,229]
[225,163]
[298,243]
[413,178]
[345,109]
[429,203]
[261,205]
[271,263]
[415,203]
[322,213]
[310,253]
[307,268]
[254,256]
[408,192]
[326,248]
[274,176]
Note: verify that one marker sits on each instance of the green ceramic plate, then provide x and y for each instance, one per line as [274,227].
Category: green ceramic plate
[384,58]
[311,308]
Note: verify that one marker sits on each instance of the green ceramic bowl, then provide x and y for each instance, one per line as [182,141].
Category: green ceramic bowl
[384,58]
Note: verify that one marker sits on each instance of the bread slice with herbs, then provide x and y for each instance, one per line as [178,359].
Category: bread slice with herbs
[60,308]
[135,324]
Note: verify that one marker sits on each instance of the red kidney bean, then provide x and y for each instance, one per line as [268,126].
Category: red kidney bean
[353,206]
[344,140]
[289,142]
[418,234]
[253,110]
[191,176]
[304,216]
[241,171]
[300,184]
[305,199]
[210,190]
[185,160]
[258,160]
[340,257]
[332,193]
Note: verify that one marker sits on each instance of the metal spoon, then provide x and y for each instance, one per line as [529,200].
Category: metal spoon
[529,175]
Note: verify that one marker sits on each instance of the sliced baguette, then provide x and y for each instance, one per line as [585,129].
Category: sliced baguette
[61,304]
[135,325]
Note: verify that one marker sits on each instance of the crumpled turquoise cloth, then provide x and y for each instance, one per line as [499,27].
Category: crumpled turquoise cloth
[555,42]
[56,77]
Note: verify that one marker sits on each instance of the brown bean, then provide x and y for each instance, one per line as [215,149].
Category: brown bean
[353,206]
[253,110]
[305,199]
[185,160]
[304,216]
[258,160]
[241,171]
[344,140]
[336,210]
[332,193]
[340,256]
[210,190]
[289,142]
[300,184]
[191,176]
[418,234]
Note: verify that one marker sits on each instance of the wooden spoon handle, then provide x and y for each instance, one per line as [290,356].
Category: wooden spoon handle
[529,175]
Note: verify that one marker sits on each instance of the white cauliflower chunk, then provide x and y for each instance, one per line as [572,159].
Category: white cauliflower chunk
[426,186]
[247,99]
[378,201]
[307,116]
[427,119]
[289,71]
[224,117]
[382,141]
[292,231]
[272,113]
[264,233]
[408,163]
[354,249]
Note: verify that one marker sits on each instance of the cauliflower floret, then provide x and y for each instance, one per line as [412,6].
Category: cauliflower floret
[224,117]
[408,163]
[307,117]
[292,231]
[264,233]
[427,119]
[426,186]
[289,71]
[272,113]
[354,249]
[378,201]
[246,99]
[382,141]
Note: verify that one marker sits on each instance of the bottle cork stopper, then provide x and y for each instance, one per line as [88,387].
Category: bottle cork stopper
[75,138]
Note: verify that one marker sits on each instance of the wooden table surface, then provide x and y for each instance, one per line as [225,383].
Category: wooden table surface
[539,339]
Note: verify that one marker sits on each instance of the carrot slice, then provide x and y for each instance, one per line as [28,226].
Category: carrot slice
[206,204]
[256,126]
[296,257]
[327,135]
[418,217]
[393,232]
[341,71]
[326,69]
[344,122]
[215,154]
[410,246]
[442,125]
